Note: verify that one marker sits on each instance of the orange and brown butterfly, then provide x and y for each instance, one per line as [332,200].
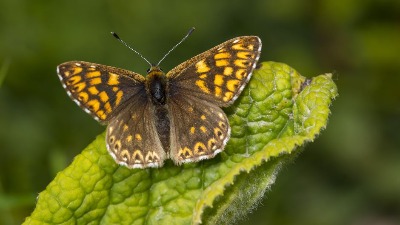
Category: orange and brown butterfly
[176,115]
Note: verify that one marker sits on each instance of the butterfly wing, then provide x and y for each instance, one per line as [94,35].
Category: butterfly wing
[199,129]
[132,138]
[98,89]
[219,74]
[198,87]
[117,97]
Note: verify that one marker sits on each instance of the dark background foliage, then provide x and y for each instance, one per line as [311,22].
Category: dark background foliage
[349,175]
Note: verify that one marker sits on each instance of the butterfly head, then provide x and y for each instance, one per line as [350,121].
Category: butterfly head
[154,69]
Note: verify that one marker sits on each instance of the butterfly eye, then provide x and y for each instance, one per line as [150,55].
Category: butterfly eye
[148,70]
[161,70]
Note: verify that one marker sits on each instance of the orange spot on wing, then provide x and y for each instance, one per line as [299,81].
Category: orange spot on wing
[95,81]
[129,138]
[222,62]
[228,96]
[113,79]
[79,87]
[73,80]
[138,137]
[83,97]
[103,96]
[232,85]
[203,86]
[203,129]
[203,76]
[244,55]
[219,80]
[101,114]
[93,74]
[202,67]
[138,156]
[218,91]
[200,148]
[238,46]
[241,63]
[240,74]
[93,105]
[107,107]
[76,70]
[222,55]
[118,97]
[228,71]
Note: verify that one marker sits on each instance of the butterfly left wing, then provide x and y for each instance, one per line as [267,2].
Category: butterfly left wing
[98,89]
[219,74]
[199,129]
[198,87]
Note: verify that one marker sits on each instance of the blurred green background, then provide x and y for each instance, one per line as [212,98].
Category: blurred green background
[349,175]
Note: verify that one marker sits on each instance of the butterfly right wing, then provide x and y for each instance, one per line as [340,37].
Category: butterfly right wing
[117,97]
[98,89]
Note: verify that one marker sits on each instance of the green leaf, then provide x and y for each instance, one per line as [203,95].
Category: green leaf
[278,112]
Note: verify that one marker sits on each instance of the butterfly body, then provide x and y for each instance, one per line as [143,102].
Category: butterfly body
[157,92]
[175,115]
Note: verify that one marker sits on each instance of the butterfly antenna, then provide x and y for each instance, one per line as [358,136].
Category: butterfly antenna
[124,43]
[184,38]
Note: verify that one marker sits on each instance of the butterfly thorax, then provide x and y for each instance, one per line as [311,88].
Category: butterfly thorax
[156,83]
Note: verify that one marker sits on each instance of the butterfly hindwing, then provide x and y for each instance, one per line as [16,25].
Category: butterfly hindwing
[199,129]
[132,138]
[100,90]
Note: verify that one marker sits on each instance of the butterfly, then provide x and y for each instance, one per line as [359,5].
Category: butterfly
[174,115]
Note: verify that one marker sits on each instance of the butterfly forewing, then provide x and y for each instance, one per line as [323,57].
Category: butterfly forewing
[219,74]
[100,90]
